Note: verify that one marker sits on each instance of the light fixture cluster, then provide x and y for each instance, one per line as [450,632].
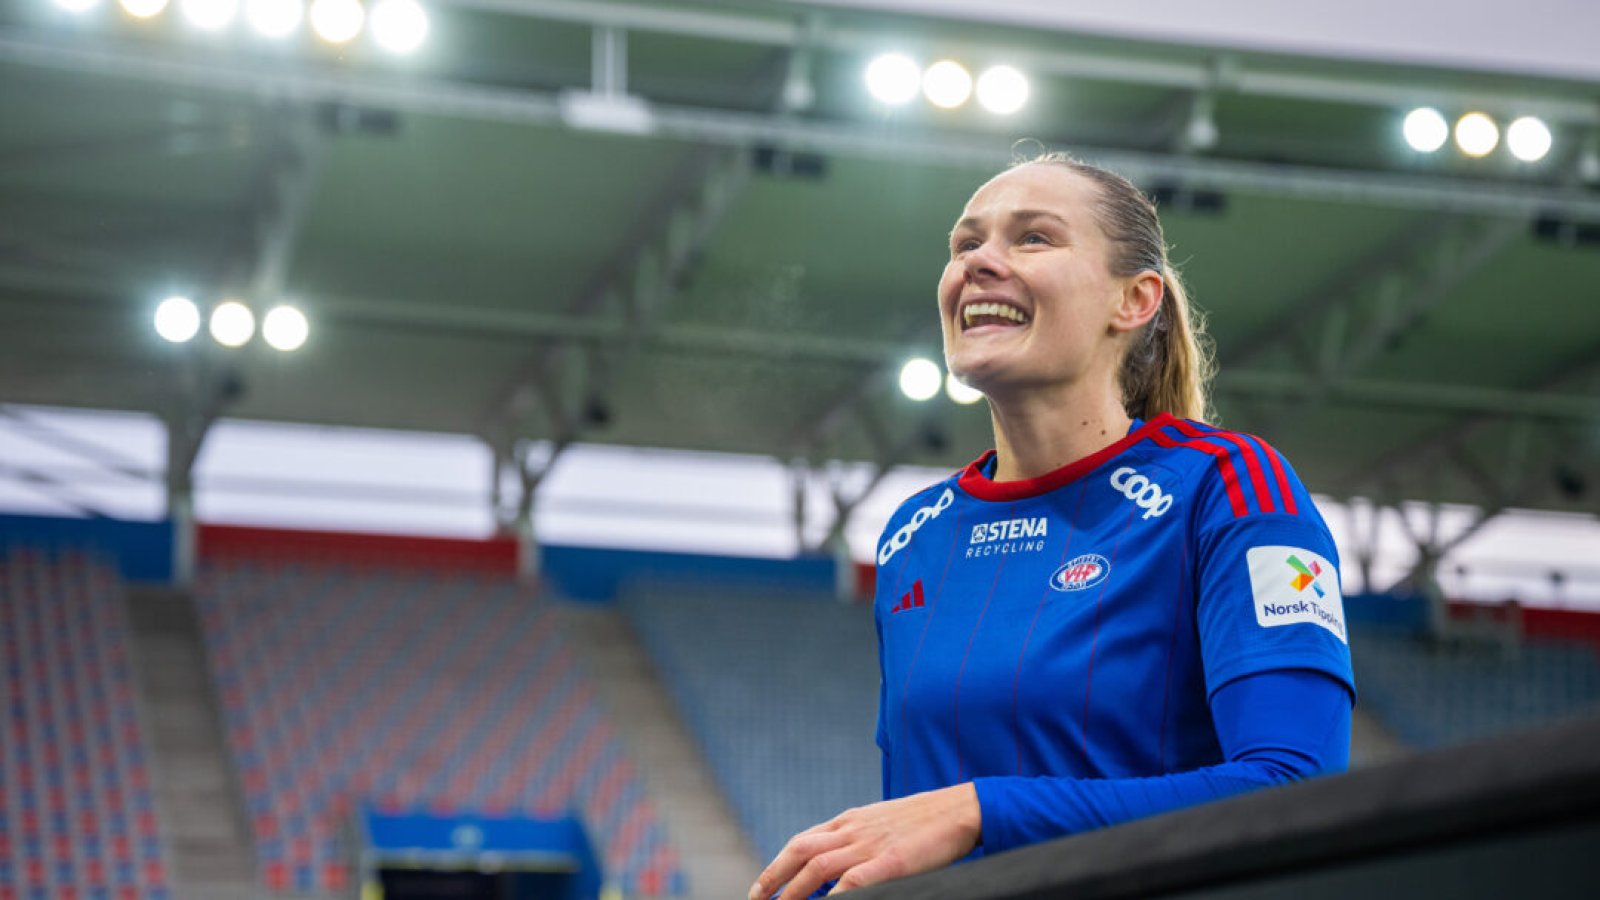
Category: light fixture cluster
[1477,134]
[399,26]
[232,324]
[920,380]
[894,79]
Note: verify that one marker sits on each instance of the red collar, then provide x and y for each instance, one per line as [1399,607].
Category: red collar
[979,485]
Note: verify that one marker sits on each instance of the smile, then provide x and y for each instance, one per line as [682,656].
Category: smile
[980,313]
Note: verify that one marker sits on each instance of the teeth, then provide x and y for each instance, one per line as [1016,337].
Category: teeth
[1002,310]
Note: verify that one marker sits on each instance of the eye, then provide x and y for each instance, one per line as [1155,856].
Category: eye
[964,244]
[1035,237]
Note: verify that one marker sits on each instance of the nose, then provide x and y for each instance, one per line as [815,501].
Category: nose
[986,262]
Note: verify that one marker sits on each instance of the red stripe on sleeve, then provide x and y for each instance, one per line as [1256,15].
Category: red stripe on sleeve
[1229,479]
[1283,478]
[1252,464]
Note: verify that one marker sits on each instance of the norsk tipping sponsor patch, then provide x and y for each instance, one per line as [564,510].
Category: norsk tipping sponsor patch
[1292,584]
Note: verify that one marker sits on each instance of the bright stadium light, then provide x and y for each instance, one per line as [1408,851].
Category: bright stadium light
[920,379]
[337,21]
[143,9]
[1477,134]
[1425,129]
[232,323]
[946,84]
[285,328]
[893,79]
[958,391]
[274,18]
[210,15]
[399,26]
[177,319]
[1002,90]
[1528,138]
[77,6]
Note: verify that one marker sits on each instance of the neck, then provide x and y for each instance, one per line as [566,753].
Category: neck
[1036,432]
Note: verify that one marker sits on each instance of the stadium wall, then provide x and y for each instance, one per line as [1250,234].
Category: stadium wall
[144,552]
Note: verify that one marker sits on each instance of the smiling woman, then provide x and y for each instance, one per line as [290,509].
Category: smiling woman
[1120,610]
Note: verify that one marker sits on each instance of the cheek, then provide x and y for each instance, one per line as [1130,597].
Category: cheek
[950,284]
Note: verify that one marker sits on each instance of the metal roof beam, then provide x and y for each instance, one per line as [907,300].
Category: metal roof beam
[1444,441]
[1366,311]
[982,152]
[1259,78]
[654,263]
[1548,403]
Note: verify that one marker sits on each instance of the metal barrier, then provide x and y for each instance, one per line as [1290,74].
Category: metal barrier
[1517,816]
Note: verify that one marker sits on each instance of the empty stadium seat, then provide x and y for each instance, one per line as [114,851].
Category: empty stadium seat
[77,818]
[781,691]
[411,691]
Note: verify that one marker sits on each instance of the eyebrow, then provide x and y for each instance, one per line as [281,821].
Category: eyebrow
[1020,215]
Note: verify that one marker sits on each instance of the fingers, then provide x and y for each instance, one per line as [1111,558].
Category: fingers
[883,867]
[801,851]
[819,871]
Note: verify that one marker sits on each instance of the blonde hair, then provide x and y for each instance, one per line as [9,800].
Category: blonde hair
[1169,365]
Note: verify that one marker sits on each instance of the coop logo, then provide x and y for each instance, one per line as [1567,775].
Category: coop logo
[1009,536]
[919,518]
[1293,585]
[1083,572]
[1145,494]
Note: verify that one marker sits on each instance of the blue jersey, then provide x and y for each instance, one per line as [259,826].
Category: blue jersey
[1080,624]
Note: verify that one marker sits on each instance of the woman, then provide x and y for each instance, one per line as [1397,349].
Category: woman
[1119,610]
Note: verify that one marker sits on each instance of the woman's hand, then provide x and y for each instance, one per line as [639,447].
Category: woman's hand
[875,843]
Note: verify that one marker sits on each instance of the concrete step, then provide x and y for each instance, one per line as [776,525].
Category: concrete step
[718,857]
[196,798]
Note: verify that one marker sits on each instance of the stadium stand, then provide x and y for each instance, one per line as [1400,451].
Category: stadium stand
[1437,693]
[411,690]
[780,689]
[77,818]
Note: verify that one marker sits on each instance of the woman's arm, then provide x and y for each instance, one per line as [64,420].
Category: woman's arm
[1274,726]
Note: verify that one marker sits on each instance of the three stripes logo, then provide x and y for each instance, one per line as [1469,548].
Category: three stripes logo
[911,599]
[1306,575]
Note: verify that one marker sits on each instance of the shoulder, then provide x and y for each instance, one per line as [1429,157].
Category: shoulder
[913,513]
[1233,475]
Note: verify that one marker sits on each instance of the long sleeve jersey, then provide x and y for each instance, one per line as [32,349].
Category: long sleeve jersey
[1152,626]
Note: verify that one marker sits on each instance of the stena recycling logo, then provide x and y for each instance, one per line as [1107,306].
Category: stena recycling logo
[1145,494]
[918,519]
[1083,572]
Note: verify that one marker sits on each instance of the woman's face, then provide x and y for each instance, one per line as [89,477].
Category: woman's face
[1028,299]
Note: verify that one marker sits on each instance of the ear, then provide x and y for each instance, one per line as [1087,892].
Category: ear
[1141,300]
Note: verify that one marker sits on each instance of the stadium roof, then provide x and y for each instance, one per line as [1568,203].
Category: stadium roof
[612,222]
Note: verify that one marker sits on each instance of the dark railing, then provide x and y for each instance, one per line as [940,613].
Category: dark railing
[1514,817]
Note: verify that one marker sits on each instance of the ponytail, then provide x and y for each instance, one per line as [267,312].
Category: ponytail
[1168,366]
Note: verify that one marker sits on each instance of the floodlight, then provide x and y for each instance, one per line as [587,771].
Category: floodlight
[1476,134]
[210,15]
[920,379]
[893,79]
[274,18]
[285,328]
[337,21]
[77,6]
[958,391]
[1425,129]
[232,323]
[143,9]
[946,84]
[1528,139]
[177,319]
[1002,90]
[399,26]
